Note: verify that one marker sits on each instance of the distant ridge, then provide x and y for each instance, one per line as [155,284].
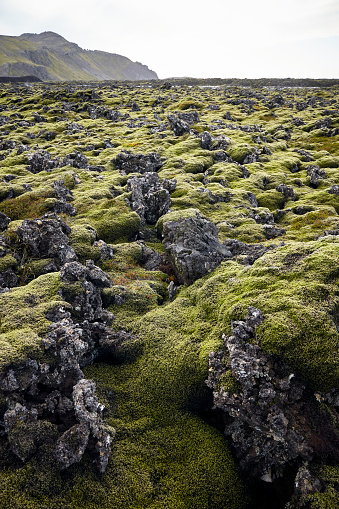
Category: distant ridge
[50,57]
[18,79]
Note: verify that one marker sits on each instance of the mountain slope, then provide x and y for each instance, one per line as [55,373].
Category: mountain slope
[51,57]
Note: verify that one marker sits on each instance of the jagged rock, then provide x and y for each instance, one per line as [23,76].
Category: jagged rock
[150,258]
[215,198]
[305,156]
[246,254]
[206,140]
[276,102]
[39,118]
[46,238]
[172,290]
[8,279]
[72,445]
[305,483]
[220,155]
[316,174]
[64,195]
[7,145]
[288,192]
[216,144]
[191,117]
[41,160]
[267,431]
[22,149]
[23,445]
[253,157]
[262,217]
[106,252]
[87,302]
[127,162]
[323,123]
[245,171]
[4,221]
[271,232]
[77,160]
[150,198]
[251,197]
[178,126]
[88,412]
[334,189]
[193,247]
[135,107]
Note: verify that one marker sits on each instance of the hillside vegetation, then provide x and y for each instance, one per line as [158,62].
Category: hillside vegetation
[50,57]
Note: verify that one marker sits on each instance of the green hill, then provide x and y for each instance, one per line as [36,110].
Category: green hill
[51,57]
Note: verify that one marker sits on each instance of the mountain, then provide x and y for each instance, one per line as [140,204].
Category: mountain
[51,57]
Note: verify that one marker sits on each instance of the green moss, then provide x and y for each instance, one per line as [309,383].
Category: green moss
[271,199]
[81,239]
[239,152]
[113,228]
[23,316]
[6,262]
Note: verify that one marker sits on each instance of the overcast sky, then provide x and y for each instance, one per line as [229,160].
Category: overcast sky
[198,38]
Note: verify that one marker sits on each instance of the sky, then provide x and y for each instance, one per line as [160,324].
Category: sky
[195,38]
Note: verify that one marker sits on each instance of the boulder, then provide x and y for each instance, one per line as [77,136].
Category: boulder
[46,238]
[193,246]
[150,198]
[127,162]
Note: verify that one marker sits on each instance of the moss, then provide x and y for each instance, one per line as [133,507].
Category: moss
[29,205]
[23,316]
[81,239]
[271,199]
[112,228]
[6,262]
[239,152]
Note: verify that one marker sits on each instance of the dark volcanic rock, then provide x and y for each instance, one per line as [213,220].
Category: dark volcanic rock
[4,221]
[266,431]
[271,232]
[246,254]
[178,126]
[191,117]
[193,246]
[77,160]
[288,192]
[42,161]
[206,140]
[46,238]
[127,162]
[88,412]
[316,174]
[40,393]
[87,300]
[150,198]
[65,196]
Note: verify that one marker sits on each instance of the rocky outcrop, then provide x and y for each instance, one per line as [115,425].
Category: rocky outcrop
[51,401]
[315,174]
[193,247]
[178,126]
[127,162]
[41,160]
[46,238]
[150,198]
[271,414]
